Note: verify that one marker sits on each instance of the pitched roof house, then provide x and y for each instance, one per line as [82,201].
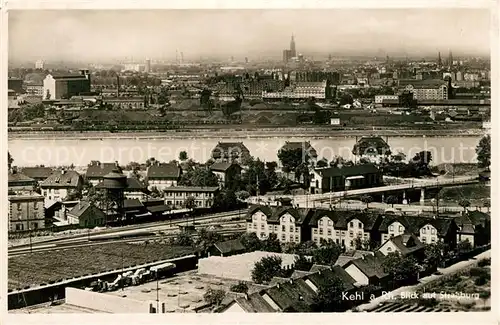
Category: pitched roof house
[227,248]
[96,171]
[406,244]
[474,226]
[306,147]
[371,146]
[231,151]
[86,215]
[161,175]
[368,270]
[37,173]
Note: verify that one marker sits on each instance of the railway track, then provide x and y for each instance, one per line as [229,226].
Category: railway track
[76,238]
[132,239]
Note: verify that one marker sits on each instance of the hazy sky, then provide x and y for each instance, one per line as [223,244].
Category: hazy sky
[106,35]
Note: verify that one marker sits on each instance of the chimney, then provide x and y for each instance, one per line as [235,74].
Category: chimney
[63,171]
[246,296]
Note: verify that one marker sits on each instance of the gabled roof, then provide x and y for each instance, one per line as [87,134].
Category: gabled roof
[134,184]
[342,218]
[231,145]
[37,172]
[287,294]
[222,166]
[164,171]
[371,266]
[132,203]
[406,243]
[347,171]
[81,207]
[99,170]
[19,178]
[367,145]
[389,219]
[58,178]
[230,246]
[254,303]
[301,215]
[442,225]
[345,257]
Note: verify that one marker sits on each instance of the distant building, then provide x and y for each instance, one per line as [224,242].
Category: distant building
[231,152]
[226,172]
[176,196]
[19,182]
[96,171]
[380,98]
[426,89]
[405,245]
[125,102]
[39,64]
[66,86]
[291,225]
[226,248]
[301,90]
[86,215]
[374,149]
[26,212]
[342,178]
[474,226]
[343,227]
[57,186]
[34,89]
[148,66]
[163,175]
[16,85]
[368,270]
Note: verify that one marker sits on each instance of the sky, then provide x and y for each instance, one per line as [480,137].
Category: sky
[104,35]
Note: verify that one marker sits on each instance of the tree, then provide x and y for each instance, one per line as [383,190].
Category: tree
[96,197]
[292,158]
[183,156]
[329,297]
[155,192]
[433,254]
[225,200]
[322,163]
[487,205]
[392,199]
[302,263]
[422,160]
[251,242]
[483,151]
[240,287]
[10,160]
[367,199]
[242,195]
[190,202]
[464,204]
[327,253]
[464,246]
[400,268]
[267,268]
[272,244]
[150,161]
[358,243]
[398,158]
[206,239]
[183,239]
[73,195]
[214,296]
[199,176]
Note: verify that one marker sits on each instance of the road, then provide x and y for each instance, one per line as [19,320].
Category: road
[444,271]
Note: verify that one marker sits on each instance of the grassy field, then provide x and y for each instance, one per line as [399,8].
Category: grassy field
[43,267]
[477,194]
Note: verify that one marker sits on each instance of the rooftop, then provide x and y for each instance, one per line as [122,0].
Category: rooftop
[191,189]
[347,171]
[164,171]
[62,178]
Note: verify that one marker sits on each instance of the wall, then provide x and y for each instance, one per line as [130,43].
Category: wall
[357,275]
[104,302]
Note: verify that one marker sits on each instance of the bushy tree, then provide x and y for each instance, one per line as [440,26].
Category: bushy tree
[483,151]
[433,254]
[240,287]
[190,202]
[464,204]
[251,242]
[391,199]
[329,297]
[367,199]
[293,158]
[267,268]
[302,263]
[200,176]
[399,267]
[10,160]
[327,253]
[183,156]
[214,296]
[271,244]
[322,163]
[183,239]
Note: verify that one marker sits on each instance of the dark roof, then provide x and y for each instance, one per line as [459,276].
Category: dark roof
[348,171]
[389,219]
[287,294]
[37,172]
[190,189]
[164,171]
[342,218]
[222,166]
[19,178]
[422,83]
[58,178]
[134,184]
[132,203]
[254,303]
[413,224]
[468,222]
[158,208]
[305,146]
[67,76]
[406,243]
[149,202]
[371,145]
[81,207]
[230,246]
[231,145]
[371,266]
[99,170]
[230,149]
[301,215]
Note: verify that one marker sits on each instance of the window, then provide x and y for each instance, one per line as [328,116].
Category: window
[255,218]
[351,224]
[315,231]
[338,233]
[321,222]
[401,229]
[291,237]
[433,231]
[351,234]
[254,226]
[291,229]
[423,230]
[351,243]
[337,241]
[321,231]
[391,228]
[424,239]
[360,225]
[283,228]
[283,219]
[360,234]
[330,223]
[329,232]
[433,240]
[275,228]
[35,206]
[389,249]
[283,237]
[262,226]
[262,235]
[365,235]
[19,206]
[249,226]
[270,228]
[262,218]
[297,238]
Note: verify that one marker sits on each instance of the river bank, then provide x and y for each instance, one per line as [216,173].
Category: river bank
[246,133]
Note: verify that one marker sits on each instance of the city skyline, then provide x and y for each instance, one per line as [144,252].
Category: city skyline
[86,35]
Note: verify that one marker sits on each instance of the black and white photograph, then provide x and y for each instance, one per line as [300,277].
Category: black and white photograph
[328,160]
